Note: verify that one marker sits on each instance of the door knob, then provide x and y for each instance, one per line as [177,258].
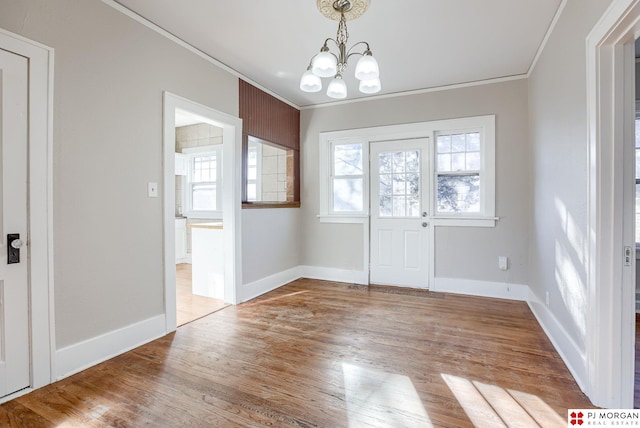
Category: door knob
[425,224]
[13,249]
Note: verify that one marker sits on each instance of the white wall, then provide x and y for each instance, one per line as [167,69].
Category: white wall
[110,73]
[559,170]
[470,253]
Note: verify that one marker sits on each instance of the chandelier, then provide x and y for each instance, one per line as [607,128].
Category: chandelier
[327,64]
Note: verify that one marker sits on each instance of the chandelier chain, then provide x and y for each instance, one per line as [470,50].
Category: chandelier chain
[343,34]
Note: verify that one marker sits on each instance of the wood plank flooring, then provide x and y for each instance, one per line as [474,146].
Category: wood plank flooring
[324,354]
[190,307]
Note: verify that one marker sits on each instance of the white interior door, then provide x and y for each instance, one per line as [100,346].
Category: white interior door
[399,218]
[14,304]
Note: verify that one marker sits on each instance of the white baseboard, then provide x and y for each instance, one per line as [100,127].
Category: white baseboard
[337,275]
[499,290]
[573,357]
[266,284]
[77,357]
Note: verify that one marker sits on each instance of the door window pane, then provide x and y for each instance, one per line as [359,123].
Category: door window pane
[399,184]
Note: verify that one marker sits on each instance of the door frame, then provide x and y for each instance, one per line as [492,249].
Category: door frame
[610,333]
[231,199]
[40,213]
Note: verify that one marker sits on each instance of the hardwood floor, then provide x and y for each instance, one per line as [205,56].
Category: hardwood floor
[190,307]
[316,353]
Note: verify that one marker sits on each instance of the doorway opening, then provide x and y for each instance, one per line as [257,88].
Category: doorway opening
[198,206]
[202,197]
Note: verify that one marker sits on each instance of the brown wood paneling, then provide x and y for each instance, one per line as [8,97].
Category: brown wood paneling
[267,118]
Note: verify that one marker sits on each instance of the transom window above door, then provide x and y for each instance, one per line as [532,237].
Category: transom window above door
[459,170]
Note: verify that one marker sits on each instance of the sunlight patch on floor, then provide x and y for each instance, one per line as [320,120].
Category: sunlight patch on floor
[378,398]
[492,406]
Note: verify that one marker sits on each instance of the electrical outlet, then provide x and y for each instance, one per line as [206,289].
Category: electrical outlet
[546,298]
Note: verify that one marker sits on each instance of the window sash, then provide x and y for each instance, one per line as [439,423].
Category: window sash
[199,181]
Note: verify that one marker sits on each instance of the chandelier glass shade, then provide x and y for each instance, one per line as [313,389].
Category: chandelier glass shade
[328,64]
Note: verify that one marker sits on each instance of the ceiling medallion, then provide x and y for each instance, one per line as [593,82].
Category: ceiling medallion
[352,9]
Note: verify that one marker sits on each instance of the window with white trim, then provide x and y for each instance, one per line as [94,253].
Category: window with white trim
[203,184]
[457,172]
[461,167]
[347,177]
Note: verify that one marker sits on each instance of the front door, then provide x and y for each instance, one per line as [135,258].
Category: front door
[14,304]
[399,226]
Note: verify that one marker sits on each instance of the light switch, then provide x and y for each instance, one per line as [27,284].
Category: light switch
[503,263]
[152,190]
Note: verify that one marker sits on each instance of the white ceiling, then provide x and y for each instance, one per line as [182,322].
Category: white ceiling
[419,44]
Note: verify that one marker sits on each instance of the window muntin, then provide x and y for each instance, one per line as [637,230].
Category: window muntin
[347,178]
[399,184]
[458,169]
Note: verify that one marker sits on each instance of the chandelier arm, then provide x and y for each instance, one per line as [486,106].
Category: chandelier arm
[349,53]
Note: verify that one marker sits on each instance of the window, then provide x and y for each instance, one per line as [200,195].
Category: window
[204,180]
[347,178]
[458,158]
[460,167]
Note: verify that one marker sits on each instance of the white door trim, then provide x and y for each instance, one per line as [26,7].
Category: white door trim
[610,333]
[231,203]
[42,310]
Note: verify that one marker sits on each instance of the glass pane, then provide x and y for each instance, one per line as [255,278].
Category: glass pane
[251,191]
[399,184]
[386,160]
[385,206]
[473,142]
[457,162]
[398,162]
[252,173]
[444,162]
[413,207]
[413,184]
[444,144]
[459,193]
[347,159]
[385,184]
[413,161]
[458,143]
[473,161]
[204,197]
[399,206]
[347,194]
[637,133]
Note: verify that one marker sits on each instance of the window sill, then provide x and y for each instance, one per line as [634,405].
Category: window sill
[262,205]
[350,219]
